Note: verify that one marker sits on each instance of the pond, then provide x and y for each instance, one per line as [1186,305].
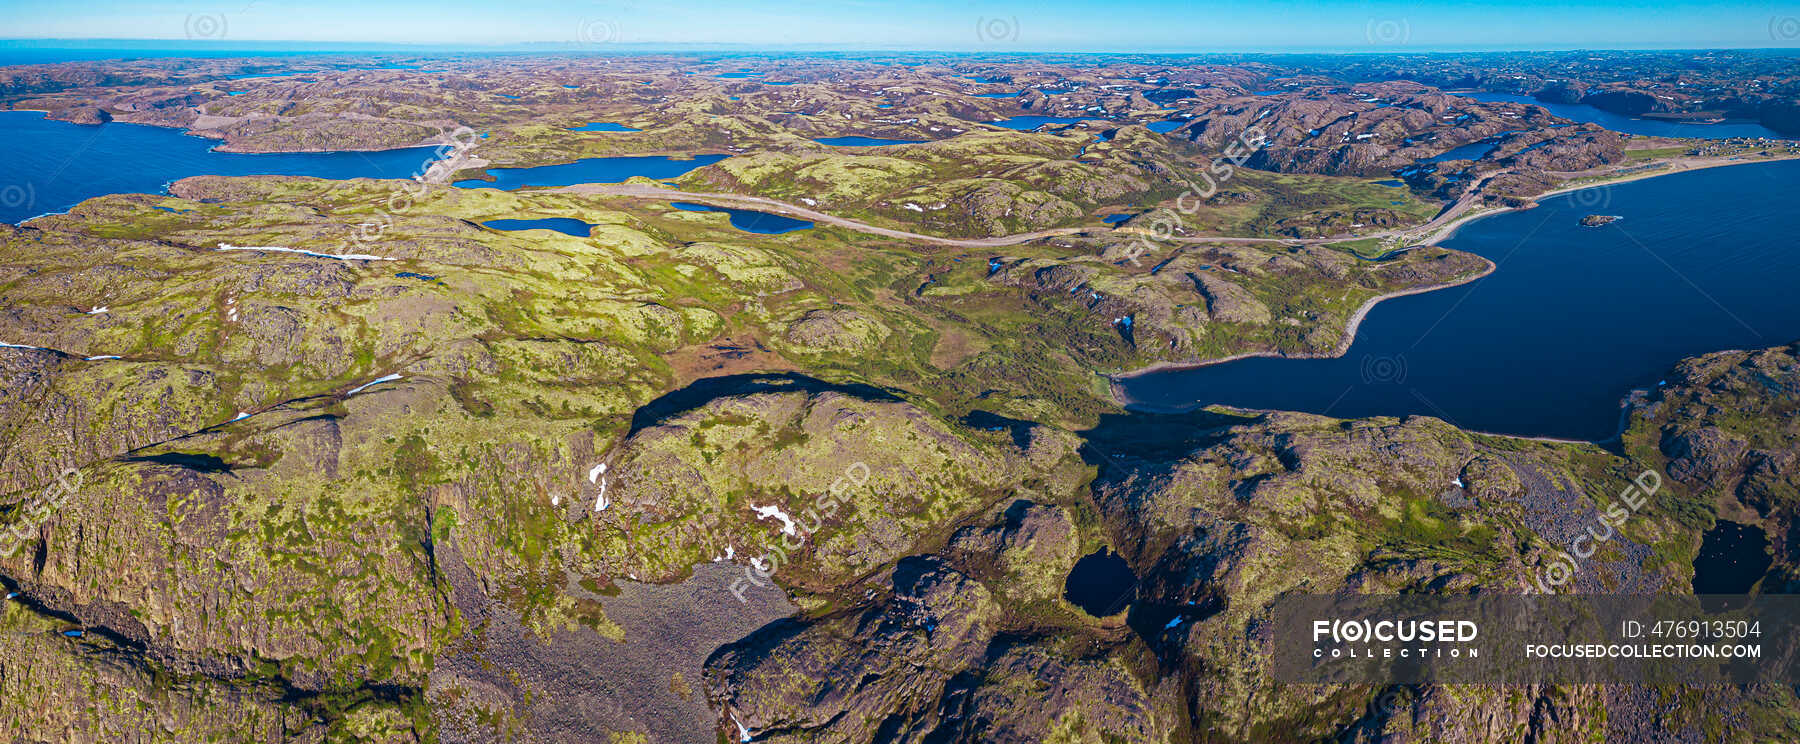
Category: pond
[750,220]
[1101,584]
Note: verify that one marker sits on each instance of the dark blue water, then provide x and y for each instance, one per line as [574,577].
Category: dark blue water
[1732,558]
[737,75]
[1029,122]
[1114,219]
[1101,583]
[1632,124]
[1573,319]
[1014,94]
[857,141]
[50,166]
[591,170]
[1165,126]
[603,126]
[748,220]
[1471,151]
[1391,183]
[564,225]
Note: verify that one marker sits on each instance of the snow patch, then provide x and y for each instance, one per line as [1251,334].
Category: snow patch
[600,501]
[376,381]
[765,512]
[315,254]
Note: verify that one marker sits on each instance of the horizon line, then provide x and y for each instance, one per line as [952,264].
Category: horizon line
[182,44]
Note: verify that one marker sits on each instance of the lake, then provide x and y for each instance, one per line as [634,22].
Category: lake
[1101,583]
[1471,151]
[604,126]
[1573,319]
[1028,122]
[564,225]
[591,170]
[1633,124]
[750,220]
[50,166]
[858,141]
[1732,558]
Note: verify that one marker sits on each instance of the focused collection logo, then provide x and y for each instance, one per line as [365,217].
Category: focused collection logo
[1363,638]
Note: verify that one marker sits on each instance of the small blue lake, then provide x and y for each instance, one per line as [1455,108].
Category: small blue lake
[1633,124]
[1471,151]
[564,225]
[748,220]
[1114,219]
[591,170]
[858,141]
[1028,122]
[603,126]
[1014,94]
[50,166]
[1161,127]
[1572,320]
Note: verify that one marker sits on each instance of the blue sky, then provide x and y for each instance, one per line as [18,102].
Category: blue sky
[962,25]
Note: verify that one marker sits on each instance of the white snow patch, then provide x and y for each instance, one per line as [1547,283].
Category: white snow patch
[103,356]
[765,512]
[242,415]
[315,254]
[97,310]
[376,381]
[600,501]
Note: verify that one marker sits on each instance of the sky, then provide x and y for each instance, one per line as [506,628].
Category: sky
[947,25]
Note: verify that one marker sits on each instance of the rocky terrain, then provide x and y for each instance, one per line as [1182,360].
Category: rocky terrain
[264,477]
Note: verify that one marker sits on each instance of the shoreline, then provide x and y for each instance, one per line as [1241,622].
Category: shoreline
[1351,326]
[428,143]
[1119,397]
[1449,230]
